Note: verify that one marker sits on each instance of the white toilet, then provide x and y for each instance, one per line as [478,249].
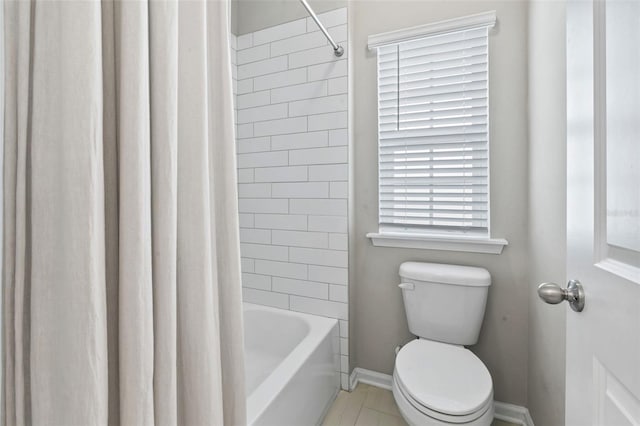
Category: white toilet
[436,380]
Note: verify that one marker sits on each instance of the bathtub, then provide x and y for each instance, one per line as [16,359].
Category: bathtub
[292,366]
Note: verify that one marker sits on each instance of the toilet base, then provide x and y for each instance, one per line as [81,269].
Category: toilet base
[414,417]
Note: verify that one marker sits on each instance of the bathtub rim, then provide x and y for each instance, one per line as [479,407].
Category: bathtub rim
[267,391]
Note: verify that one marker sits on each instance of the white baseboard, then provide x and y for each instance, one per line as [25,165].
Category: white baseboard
[503,411]
[512,413]
[369,377]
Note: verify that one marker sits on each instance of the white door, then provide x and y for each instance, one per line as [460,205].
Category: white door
[603,211]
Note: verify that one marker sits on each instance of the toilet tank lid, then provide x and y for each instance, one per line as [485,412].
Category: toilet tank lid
[446,274]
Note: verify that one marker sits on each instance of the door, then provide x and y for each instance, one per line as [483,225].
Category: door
[603,211]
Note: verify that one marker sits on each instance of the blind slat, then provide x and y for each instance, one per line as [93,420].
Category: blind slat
[446,150]
[457,227]
[443,105]
[434,113]
[445,63]
[479,188]
[391,154]
[397,176]
[420,120]
[435,99]
[439,63]
[440,202]
[418,215]
[424,81]
[437,52]
[419,180]
[457,88]
[437,141]
[434,165]
[459,130]
[418,79]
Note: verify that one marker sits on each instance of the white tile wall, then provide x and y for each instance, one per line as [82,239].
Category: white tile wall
[280,79]
[259,282]
[311,256]
[299,91]
[291,100]
[329,274]
[280,221]
[300,140]
[281,174]
[301,190]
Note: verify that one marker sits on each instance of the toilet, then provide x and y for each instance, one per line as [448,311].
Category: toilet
[436,380]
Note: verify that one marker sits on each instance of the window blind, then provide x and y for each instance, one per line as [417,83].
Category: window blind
[433,134]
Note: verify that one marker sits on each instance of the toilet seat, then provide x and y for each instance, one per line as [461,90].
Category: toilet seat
[435,417]
[415,417]
[443,381]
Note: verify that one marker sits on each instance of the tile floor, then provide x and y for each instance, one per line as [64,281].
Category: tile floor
[369,406]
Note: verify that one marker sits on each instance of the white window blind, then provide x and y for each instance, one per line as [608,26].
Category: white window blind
[433,121]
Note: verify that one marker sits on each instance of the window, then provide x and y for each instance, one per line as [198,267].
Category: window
[433,129]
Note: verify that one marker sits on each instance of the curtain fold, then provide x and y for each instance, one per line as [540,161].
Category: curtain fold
[163,46]
[122,300]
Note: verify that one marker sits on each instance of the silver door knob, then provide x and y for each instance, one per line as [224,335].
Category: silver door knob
[574,293]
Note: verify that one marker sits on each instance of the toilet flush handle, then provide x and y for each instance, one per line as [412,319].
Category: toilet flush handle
[407,286]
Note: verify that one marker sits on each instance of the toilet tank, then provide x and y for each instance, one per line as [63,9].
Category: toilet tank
[444,302]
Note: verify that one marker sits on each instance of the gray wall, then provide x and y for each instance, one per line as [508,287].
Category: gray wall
[377,316]
[251,15]
[547,213]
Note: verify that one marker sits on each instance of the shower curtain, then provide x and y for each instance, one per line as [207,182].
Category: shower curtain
[121,281]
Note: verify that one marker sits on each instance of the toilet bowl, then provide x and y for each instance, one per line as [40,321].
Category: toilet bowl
[436,380]
[441,384]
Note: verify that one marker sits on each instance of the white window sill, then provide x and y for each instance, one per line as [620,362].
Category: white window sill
[465,244]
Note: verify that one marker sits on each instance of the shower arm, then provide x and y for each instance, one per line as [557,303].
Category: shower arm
[337,49]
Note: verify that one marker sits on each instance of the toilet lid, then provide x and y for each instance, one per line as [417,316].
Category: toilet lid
[442,377]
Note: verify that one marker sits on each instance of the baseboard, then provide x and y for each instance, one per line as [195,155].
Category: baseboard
[503,411]
[512,413]
[369,377]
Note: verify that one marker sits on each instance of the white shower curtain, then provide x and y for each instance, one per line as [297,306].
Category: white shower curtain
[122,299]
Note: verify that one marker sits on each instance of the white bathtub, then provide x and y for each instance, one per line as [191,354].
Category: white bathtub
[292,366]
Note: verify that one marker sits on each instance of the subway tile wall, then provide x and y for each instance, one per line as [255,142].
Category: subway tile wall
[292,142]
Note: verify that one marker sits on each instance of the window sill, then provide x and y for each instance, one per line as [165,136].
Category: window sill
[471,245]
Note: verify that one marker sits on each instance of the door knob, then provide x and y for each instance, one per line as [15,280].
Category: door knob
[574,293]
